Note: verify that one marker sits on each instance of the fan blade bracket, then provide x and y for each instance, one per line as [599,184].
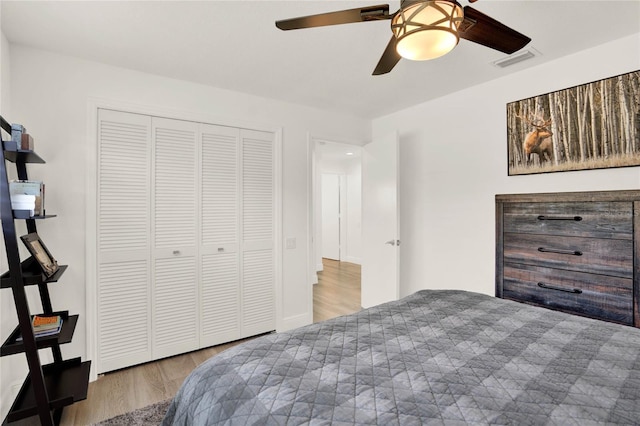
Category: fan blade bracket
[466,24]
[375,13]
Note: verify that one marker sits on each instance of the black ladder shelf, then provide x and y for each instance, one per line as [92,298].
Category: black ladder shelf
[48,388]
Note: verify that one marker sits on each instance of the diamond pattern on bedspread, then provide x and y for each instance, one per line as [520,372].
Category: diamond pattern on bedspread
[435,357]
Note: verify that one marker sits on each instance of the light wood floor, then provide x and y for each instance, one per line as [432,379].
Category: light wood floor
[337,293]
[338,290]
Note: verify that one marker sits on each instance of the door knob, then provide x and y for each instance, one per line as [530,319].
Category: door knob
[393,242]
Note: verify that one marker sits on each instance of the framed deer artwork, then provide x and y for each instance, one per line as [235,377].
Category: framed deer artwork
[591,126]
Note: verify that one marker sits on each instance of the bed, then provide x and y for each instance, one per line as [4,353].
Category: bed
[434,357]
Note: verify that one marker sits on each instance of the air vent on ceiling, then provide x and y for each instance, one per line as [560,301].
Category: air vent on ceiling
[516,58]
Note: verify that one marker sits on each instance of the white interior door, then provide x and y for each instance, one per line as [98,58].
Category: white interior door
[380,230]
[123,240]
[331,216]
[220,301]
[174,231]
[257,230]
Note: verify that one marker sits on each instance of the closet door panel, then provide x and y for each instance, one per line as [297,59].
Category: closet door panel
[175,185]
[175,294]
[220,298]
[257,189]
[123,240]
[220,285]
[258,301]
[174,235]
[123,320]
[220,185]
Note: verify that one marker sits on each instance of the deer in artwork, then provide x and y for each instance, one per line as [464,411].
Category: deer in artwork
[538,141]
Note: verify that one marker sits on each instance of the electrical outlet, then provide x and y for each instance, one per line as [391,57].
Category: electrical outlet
[290,243]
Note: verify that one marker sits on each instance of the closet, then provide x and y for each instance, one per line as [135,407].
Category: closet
[185,236]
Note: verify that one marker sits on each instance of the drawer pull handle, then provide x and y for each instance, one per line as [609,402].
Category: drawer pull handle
[560,251]
[566,290]
[574,218]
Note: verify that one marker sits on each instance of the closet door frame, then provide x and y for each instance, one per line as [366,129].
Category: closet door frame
[91,226]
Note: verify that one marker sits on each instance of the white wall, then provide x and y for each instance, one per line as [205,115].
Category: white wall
[53,99]
[453,160]
[354,211]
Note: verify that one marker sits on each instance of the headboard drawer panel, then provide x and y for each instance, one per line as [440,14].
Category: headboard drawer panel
[596,296]
[598,219]
[594,255]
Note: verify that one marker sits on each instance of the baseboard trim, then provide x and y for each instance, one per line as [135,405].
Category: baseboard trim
[296,321]
[319,267]
[352,259]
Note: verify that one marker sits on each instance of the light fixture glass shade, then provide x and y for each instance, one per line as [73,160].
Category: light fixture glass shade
[427,30]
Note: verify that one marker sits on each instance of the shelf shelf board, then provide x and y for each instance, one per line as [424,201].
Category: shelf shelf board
[12,346]
[23,156]
[67,382]
[32,274]
[25,214]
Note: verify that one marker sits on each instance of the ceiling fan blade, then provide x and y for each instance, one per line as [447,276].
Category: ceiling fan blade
[362,14]
[389,59]
[482,29]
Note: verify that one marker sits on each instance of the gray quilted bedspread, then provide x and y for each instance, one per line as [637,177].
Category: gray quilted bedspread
[435,357]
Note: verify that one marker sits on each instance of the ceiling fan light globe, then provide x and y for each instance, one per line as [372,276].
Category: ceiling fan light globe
[427,30]
[425,45]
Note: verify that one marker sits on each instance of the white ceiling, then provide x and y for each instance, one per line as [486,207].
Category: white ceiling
[235,45]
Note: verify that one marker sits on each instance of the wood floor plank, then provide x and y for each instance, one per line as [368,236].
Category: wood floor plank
[337,293]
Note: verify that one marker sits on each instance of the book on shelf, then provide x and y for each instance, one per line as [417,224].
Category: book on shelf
[45,325]
[21,138]
[45,322]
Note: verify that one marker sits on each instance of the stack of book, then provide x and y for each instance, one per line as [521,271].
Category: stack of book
[45,325]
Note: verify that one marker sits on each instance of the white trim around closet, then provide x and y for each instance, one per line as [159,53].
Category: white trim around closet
[93,105]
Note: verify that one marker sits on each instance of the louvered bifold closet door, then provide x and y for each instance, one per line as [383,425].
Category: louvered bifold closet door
[220,286]
[257,230]
[123,240]
[174,236]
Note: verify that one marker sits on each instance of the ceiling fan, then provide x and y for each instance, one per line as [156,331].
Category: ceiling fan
[422,29]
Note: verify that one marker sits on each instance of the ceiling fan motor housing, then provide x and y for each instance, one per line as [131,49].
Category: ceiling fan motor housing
[427,29]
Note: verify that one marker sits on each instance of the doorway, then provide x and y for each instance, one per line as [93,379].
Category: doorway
[336,205]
